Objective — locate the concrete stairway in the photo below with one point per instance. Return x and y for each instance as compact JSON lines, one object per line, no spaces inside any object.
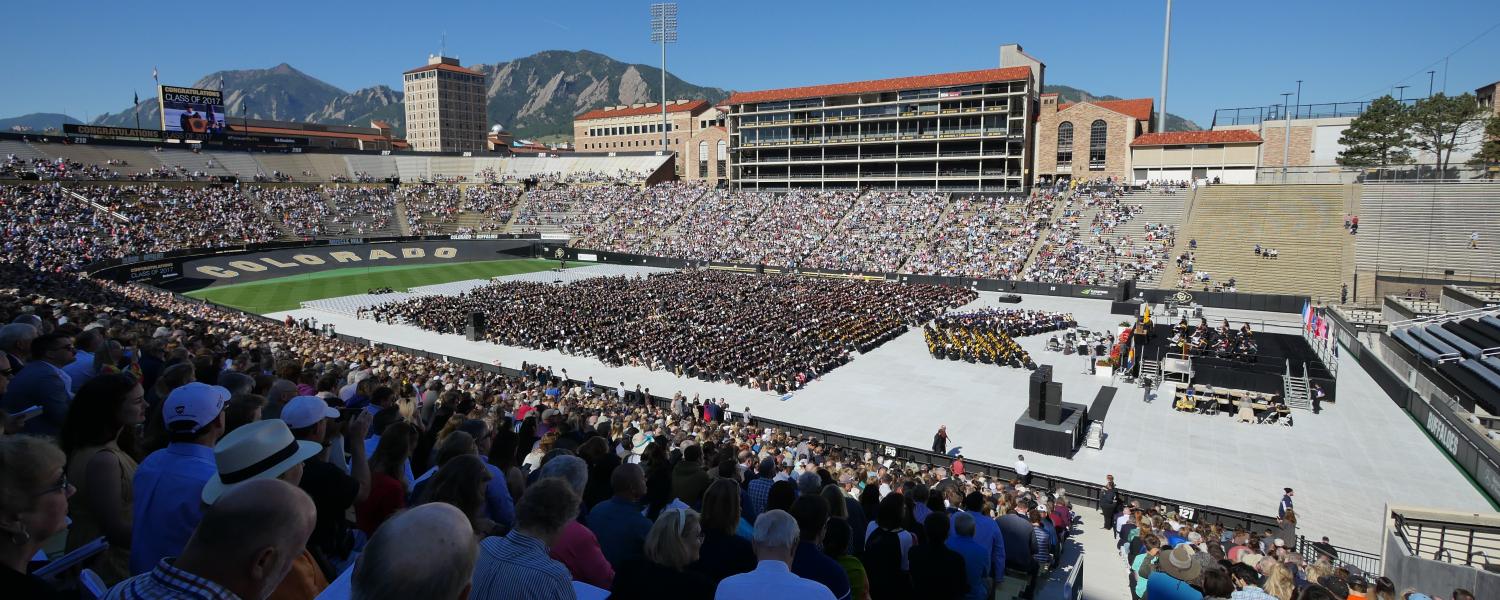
{"x":1304,"y":223}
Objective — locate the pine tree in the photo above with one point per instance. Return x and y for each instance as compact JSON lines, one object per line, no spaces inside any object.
{"x":1377,"y":137}
{"x":1440,"y":124}
{"x":1489,"y":151}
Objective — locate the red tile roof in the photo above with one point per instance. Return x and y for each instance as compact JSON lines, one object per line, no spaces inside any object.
{"x":306,"y":133}
{"x":882,"y":85}
{"x":443,"y":67}
{"x":694,"y":107}
{"x":1140,"y":108}
{"x":1179,"y":138}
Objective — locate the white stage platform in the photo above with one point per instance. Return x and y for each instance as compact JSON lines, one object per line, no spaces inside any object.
{"x":1346,"y":463}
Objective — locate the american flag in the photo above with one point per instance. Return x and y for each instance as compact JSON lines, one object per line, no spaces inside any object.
{"x":154,"y":75}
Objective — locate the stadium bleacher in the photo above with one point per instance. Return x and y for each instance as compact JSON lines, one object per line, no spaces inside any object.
{"x":1424,"y":229}
{"x":1303,"y":224}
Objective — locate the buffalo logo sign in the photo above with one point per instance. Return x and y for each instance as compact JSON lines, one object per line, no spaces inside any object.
{"x":233,"y":268}
{"x":1182,"y":297}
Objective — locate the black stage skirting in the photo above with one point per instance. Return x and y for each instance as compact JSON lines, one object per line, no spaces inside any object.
{"x":1128,"y":307}
{"x":1053,"y":440}
{"x":1100,"y":409}
{"x":1262,"y":375}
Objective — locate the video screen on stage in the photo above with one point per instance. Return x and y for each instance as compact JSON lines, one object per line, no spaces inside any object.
{"x":191,"y":110}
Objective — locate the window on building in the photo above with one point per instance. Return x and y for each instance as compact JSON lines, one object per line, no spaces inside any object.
{"x":1065,"y":144}
{"x":703,"y":159}
{"x":1098,"y":140}
{"x":722,"y":157}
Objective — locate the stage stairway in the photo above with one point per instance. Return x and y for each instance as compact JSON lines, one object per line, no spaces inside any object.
{"x":1297,"y":390}
{"x":1151,"y":371}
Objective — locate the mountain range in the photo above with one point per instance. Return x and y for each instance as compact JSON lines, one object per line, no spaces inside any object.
{"x":534,"y":96}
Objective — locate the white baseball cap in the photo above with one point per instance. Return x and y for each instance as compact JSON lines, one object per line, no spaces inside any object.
{"x":196,"y":402}
{"x":306,"y":411}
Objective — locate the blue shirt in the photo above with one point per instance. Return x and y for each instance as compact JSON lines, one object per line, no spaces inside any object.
{"x":987,"y":536}
{"x":168,"y":502}
{"x":811,"y":563}
{"x":1162,"y":586}
{"x":976,"y":565}
{"x":760,"y":491}
{"x":497,"y":501}
{"x":80,"y":370}
{"x":621,"y":529}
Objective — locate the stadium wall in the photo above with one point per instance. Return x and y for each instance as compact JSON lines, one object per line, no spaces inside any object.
{"x":200,"y":269}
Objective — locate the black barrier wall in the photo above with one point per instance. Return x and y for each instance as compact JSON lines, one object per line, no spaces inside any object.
{"x":245,"y":264}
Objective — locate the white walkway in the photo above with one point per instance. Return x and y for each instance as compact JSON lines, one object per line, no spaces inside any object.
{"x":1345,"y":463}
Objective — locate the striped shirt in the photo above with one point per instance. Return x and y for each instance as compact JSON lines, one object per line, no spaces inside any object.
{"x":168,"y":582}
{"x":517,"y":567}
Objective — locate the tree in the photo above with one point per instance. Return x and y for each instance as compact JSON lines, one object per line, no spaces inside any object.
{"x":1377,"y":137}
{"x":1441,"y":123}
{"x":1489,"y":151}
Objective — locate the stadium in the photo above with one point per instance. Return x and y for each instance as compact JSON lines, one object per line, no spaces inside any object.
{"x":907,"y":286}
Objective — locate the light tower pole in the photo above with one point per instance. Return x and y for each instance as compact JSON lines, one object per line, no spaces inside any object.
{"x":664,"y":31}
{"x":1286,"y":135}
{"x":1166,"y":45}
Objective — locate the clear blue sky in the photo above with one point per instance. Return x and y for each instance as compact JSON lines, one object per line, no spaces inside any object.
{"x":85,"y":58}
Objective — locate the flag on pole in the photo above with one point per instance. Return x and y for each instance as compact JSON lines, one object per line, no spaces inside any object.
{"x":154,"y":75}
{"x":1130,"y":356}
{"x":137,"y":96}
{"x":1307,"y":313}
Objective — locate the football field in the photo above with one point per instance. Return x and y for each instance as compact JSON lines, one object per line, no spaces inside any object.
{"x":286,"y":293}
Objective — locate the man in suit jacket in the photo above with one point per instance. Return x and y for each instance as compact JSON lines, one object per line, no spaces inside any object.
{"x":43,"y":383}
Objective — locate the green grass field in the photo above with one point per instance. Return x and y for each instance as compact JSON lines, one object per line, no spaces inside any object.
{"x":287,"y":293}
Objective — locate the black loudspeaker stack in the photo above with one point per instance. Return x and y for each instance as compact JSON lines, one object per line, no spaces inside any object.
{"x":1053,"y":402}
{"x":1125,"y":291}
{"x":1036,"y":397}
{"x":475,"y":330}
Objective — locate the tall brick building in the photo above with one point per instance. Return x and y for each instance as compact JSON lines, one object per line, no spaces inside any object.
{"x":1088,"y":141}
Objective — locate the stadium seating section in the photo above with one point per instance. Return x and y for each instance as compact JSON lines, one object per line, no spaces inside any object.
{"x":1088,"y":235}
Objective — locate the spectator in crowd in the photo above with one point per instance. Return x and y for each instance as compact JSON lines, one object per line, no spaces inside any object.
{"x":333,"y":491}
{"x":99,"y":438}
{"x":169,"y":484}
{"x":887,"y":547}
{"x":243,"y":409}
{"x":689,"y":480}
{"x":82,"y":368}
{"x":937,"y":571}
{"x":811,"y":513}
{"x":389,"y":482}
{"x":576,"y":547}
{"x":15,"y":342}
{"x":670,"y":547}
{"x":986,"y":531}
{"x":245,"y":545}
{"x":460,"y":482}
{"x":723,"y":553}
{"x":776,"y":542}
{"x":1019,"y":540}
{"x":836,"y":546}
{"x":267,"y":450}
{"x":34,"y":493}
{"x":426,"y":552}
{"x":1175,"y":576}
{"x":516,"y":565}
{"x":42,"y":382}
{"x":617,"y":523}
{"x":978,"y":569}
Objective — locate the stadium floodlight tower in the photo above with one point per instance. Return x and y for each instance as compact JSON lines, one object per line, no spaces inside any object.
{"x":664,"y":31}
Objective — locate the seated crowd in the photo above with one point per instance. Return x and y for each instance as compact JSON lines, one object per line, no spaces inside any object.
{"x":429,"y":207}
{"x":769,"y":333}
{"x":984,"y":237}
{"x":1085,"y":248}
{"x":220,"y":455}
{"x":986,"y":336}
{"x":48,"y":228}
